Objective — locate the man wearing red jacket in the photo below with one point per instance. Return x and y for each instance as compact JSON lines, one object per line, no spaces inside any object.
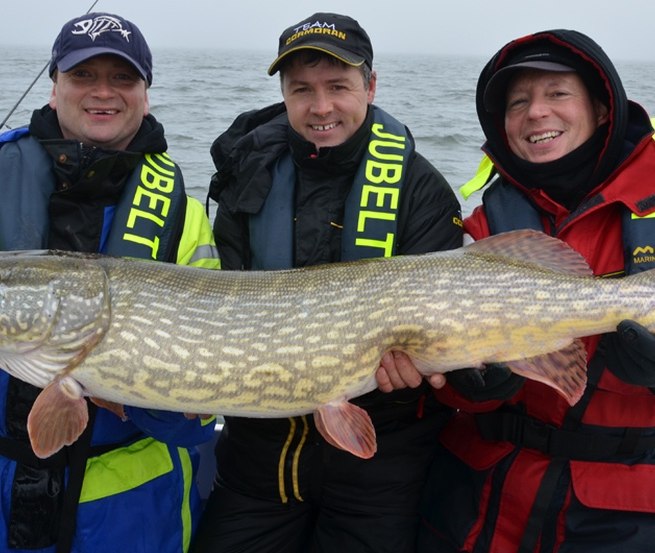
{"x":522,"y":470}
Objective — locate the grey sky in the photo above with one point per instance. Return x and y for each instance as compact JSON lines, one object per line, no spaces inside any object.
{"x":472,"y":27}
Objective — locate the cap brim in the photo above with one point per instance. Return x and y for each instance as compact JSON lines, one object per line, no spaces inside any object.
{"x":494,"y":92}
{"x":343,"y":55}
{"x":78,"y":56}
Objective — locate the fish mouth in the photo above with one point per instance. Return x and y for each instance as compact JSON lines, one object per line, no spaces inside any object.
{"x":543,"y":137}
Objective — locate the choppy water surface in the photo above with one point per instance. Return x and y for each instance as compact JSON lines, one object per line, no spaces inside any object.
{"x":197,"y":93}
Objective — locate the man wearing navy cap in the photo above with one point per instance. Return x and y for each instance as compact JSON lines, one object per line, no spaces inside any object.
{"x":82,"y":177}
{"x":89,"y":52}
{"x":323,"y":177}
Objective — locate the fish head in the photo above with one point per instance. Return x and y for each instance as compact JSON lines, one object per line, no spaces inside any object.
{"x":54,"y":307}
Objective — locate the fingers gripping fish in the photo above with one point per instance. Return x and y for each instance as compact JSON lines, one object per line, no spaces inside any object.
{"x":285,"y":343}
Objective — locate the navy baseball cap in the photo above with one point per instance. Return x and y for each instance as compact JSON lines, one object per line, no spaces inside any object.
{"x":94,"y":34}
{"x":339,"y":36}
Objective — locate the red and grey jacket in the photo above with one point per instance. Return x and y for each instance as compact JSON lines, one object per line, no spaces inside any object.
{"x":606,"y":441}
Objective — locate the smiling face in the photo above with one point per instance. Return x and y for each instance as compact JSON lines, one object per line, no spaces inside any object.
{"x":326,"y":102}
{"x":100,"y":102}
{"x":549,"y":114}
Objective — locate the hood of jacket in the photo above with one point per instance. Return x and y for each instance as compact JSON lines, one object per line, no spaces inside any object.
{"x":244,"y":156}
{"x":628,"y":123}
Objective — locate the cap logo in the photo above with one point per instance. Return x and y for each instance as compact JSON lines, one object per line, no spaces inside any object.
{"x":99,"y":25}
{"x":536,"y":56}
{"x":316,"y":28}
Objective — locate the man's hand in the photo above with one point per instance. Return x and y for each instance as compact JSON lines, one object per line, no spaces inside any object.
{"x":397,"y":371}
{"x":493,"y":382}
{"x":630,"y":354}
{"x":116,"y":408}
{"x":191,"y":416}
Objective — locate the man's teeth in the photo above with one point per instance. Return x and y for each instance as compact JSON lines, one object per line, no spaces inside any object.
{"x":543,"y":137}
{"x":103,"y":111}
{"x":324,"y":127}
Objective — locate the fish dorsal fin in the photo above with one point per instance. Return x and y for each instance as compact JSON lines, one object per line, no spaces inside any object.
{"x":532,"y":247}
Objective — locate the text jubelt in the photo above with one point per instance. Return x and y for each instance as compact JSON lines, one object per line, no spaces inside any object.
{"x":146,"y":224}
{"x":371,"y":209}
{"x":147,"y":221}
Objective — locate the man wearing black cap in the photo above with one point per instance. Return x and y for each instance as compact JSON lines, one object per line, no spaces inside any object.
{"x":323,"y":177}
{"x":524,"y":470}
{"x":91,"y":174}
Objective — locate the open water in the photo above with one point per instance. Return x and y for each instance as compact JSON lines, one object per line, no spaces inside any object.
{"x":196,"y":94}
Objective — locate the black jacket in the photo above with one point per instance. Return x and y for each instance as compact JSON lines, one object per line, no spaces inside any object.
{"x":249,"y":452}
{"x":244,"y":156}
{"x":88,"y":179}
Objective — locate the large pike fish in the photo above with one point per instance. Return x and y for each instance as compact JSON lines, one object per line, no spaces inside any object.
{"x":283,"y":343}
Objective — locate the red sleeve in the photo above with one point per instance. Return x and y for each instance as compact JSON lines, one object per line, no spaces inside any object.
{"x":476,"y":224}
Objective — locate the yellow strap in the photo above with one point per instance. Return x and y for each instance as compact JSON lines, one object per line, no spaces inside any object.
{"x":296,"y":459}
{"x":652,"y":122}
{"x":482,"y":176}
{"x":124,"y":469}
{"x":187,"y":521}
{"x":209,"y":420}
{"x":284,"y":498}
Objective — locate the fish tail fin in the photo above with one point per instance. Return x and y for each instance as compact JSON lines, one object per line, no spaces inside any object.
{"x":564,"y":370}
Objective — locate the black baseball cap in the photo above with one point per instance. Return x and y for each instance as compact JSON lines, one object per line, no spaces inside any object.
{"x":94,"y":34}
{"x":337,"y":35}
{"x":543,"y":57}
{"x":496,"y":89}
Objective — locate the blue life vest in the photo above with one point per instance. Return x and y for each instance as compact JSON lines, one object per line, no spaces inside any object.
{"x":507,"y":208}
{"x":147,"y":223}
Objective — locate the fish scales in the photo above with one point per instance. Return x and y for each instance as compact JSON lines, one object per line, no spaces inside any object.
{"x":282,"y":343}
{"x":271,"y":343}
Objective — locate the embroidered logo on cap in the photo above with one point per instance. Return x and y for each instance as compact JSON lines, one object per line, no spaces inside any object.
{"x":101,"y":24}
{"x":316,"y":28}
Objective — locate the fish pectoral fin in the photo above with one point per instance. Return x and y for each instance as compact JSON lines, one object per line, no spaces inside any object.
{"x":564,"y":370}
{"x":348,"y":427}
{"x":57,"y":419}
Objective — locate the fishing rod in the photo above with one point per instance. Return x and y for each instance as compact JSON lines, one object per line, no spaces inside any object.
{"x":11,"y":111}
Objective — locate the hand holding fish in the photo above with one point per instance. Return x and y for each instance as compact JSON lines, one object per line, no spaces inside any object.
{"x":494,"y":381}
{"x":397,"y":371}
{"x":119,"y":410}
{"x":631,"y":354}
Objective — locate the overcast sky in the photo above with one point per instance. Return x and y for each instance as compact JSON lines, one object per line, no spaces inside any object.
{"x":624,"y":28}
